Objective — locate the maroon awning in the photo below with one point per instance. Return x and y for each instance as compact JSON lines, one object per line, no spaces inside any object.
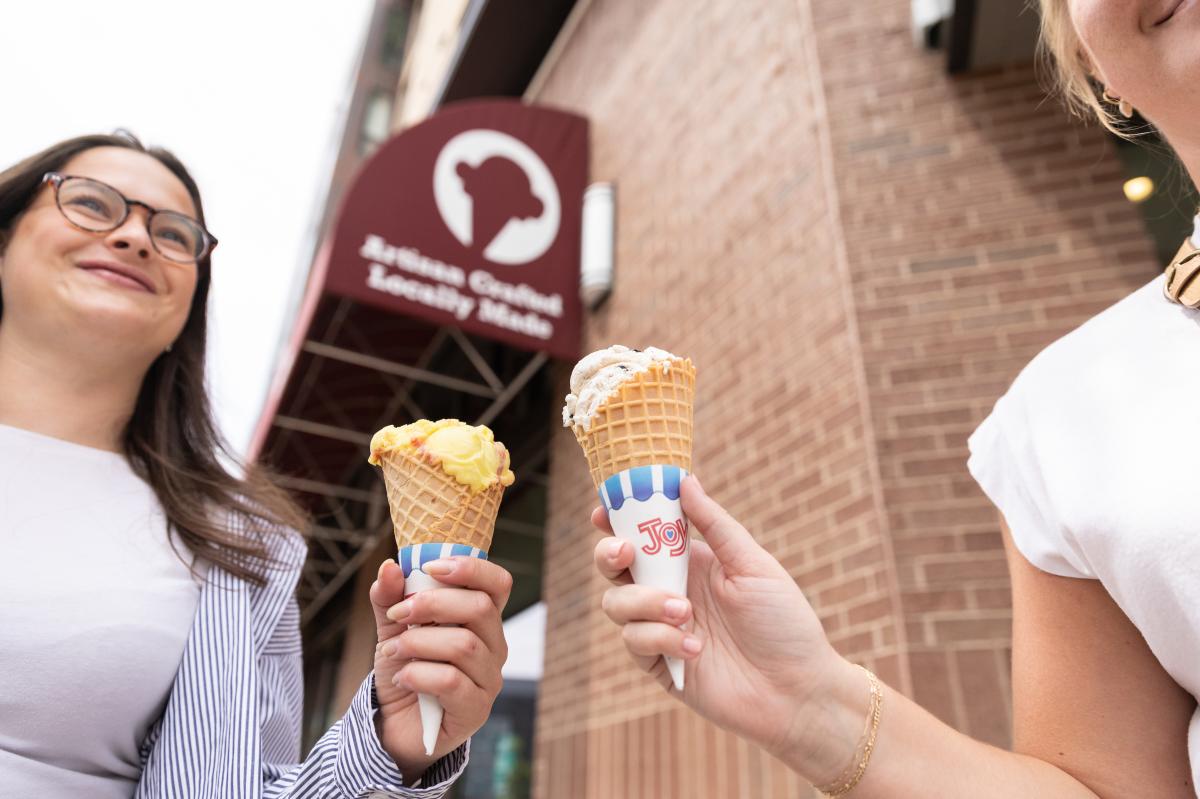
{"x":360,"y":358}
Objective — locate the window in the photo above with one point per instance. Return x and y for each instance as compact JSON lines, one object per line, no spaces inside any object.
{"x":376,"y":121}
{"x":395,"y":34}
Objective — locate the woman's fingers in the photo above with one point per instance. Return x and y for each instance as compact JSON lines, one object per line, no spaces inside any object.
{"x":648,"y":639}
{"x":636,"y":603}
{"x":651,"y":622}
{"x":473,"y":610}
{"x":458,"y":694}
{"x":387,"y":590}
{"x":613,"y":557}
{"x":456,"y":646}
{"x":600,"y":519}
{"x":474,"y":573}
{"x":730,"y":541}
{"x":650,"y":619}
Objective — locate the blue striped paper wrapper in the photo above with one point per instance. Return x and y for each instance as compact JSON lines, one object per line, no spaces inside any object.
{"x":644,"y":509}
{"x":413,"y":557}
{"x":643,"y":506}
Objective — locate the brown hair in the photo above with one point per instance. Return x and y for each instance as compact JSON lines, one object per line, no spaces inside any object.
{"x":1070,"y":72}
{"x":171,"y":440}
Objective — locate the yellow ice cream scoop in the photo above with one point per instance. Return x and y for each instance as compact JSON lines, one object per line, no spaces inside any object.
{"x":471,"y":455}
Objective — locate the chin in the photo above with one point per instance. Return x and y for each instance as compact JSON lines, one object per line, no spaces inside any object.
{"x":118,"y":321}
{"x":1176,"y":121}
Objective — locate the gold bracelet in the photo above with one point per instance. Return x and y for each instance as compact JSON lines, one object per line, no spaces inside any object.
{"x":848,"y":771}
{"x":843,"y":785}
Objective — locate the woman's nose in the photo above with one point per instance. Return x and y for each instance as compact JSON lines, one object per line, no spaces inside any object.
{"x":133,"y":234}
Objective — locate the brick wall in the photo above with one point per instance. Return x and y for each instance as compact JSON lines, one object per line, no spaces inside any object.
{"x":859,"y":253}
{"x":980,"y":225}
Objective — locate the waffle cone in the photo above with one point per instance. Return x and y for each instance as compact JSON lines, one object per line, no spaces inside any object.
{"x":647,"y":422}
{"x":428,"y":505}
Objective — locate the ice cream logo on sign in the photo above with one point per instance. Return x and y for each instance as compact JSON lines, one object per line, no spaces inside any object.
{"x":496,"y":196}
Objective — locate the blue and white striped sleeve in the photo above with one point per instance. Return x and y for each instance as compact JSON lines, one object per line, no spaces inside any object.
{"x":348,"y":762}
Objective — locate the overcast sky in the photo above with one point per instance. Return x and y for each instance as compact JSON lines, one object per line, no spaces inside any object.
{"x":250,"y":95}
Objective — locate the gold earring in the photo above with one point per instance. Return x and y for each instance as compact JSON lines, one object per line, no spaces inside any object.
{"x":1124,"y":106}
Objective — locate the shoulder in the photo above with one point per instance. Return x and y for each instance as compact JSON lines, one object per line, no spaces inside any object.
{"x":1125,"y":352}
{"x":273,"y":612}
{"x":1080,"y":441}
{"x":288,"y":546}
{"x":1106,"y":384}
{"x":254,"y":522}
{"x":285,"y":548}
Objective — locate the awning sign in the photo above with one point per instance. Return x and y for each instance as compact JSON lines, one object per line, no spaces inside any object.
{"x":472,"y":219}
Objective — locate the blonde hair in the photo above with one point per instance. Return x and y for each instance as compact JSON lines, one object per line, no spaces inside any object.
{"x":1069,"y":70}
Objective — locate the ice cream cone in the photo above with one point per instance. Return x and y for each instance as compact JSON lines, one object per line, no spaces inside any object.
{"x":428,"y":505}
{"x":444,"y":481}
{"x":648,"y":421}
{"x":631,"y":411}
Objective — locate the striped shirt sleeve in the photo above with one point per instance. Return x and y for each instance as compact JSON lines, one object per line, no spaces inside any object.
{"x":348,"y":762}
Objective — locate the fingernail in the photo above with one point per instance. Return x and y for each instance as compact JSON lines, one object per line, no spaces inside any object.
{"x":398,"y":681}
{"x":692,"y":645}
{"x":614,"y":549}
{"x":379,"y":574}
{"x":389,"y":650}
{"x":398,"y":612}
{"x":442,"y":567}
{"x":676,"y":607}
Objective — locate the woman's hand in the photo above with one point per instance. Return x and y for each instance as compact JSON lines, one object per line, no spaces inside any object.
{"x":460,"y":665}
{"x":754,"y":650}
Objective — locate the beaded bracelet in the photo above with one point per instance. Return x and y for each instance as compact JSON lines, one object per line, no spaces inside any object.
{"x":843,"y":784}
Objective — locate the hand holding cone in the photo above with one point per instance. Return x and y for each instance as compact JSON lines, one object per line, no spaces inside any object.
{"x":444,"y":483}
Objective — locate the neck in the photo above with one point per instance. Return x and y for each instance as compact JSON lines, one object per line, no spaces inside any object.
{"x":1188,"y":151}
{"x":64,"y":395}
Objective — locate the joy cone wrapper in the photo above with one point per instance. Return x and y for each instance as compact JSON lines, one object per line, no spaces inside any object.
{"x":435,"y":516}
{"x":639,"y":448}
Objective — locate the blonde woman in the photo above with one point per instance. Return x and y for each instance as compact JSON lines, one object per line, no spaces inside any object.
{"x":1091,"y":457}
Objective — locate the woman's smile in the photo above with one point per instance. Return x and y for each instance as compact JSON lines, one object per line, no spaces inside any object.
{"x":1175,"y":8}
{"x":119,"y":274}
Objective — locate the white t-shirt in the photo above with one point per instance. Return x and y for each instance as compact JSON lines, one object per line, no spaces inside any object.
{"x":1092,"y":456}
{"x":95,"y":609}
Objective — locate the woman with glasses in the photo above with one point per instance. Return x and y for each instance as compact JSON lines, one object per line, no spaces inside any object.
{"x":1091,"y":457}
{"x":149,"y":636}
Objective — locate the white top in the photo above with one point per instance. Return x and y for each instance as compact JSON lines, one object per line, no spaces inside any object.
{"x":1092,"y":457}
{"x":95,"y":608}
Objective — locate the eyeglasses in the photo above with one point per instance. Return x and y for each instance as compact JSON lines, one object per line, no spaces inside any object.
{"x":99,"y":208}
